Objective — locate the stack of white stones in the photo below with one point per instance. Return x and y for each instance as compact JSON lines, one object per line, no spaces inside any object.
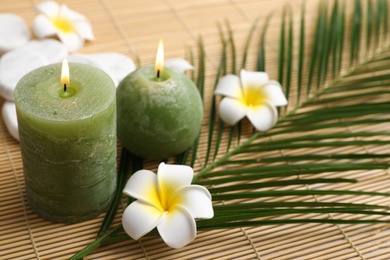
{"x":20,"y":55}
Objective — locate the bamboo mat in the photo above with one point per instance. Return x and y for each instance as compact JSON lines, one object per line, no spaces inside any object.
{"x":134,"y":28}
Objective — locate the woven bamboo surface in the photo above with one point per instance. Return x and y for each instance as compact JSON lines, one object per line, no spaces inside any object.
{"x":134,"y":28}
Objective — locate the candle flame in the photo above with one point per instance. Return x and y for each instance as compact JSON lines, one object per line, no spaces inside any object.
{"x":159,"y":58}
{"x":65,"y":72}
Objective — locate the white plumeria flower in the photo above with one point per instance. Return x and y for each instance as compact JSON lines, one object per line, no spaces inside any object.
{"x":167,"y":201}
{"x":71,"y":27}
{"x":252,"y":95}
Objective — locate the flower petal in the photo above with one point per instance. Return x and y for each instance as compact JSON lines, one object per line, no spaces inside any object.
{"x":179,"y":64}
{"x":71,"y":40}
{"x":43,"y":27}
{"x":229,"y":86}
{"x":232,"y":110}
{"x":263,"y":117}
{"x":275,"y":93}
{"x":48,"y":8}
{"x":139,"y":218}
{"x":253,"y":78}
{"x":196,"y":200}
{"x":172,"y":177}
{"x":84,"y":30}
{"x":70,"y":14}
{"x":142,"y":186}
{"x":177,"y":228}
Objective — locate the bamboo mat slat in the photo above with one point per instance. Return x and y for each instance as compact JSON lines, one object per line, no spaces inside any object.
{"x":133,"y":28}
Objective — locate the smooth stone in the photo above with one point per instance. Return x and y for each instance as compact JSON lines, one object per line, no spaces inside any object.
{"x":14,"y":65}
{"x":85,"y":59}
{"x":13,"y":32}
{"x":116,"y":65}
{"x":54,"y":51}
{"x":9,"y":117}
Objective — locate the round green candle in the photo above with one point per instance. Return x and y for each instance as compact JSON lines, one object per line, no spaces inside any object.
{"x":68,"y":141}
{"x":158,"y":117}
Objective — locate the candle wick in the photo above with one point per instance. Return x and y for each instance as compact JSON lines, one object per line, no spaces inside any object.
{"x":65,"y":87}
{"x":158,"y":73}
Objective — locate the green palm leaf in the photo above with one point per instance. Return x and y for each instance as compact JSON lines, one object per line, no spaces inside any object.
{"x":346,"y":101}
{"x":296,"y":172}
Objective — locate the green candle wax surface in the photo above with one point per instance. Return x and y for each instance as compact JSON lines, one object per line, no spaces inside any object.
{"x":158,"y":117}
{"x":68,"y":141}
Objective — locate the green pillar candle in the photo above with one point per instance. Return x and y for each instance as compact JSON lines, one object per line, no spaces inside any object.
{"x":68,"y":141}
{"x":158,"y":117}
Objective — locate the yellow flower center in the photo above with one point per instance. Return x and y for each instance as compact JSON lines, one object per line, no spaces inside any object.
{"x":154,"y":198}
{"x":168,"y":198}
{"x":63,"y":24}
{"x":253,"y":96}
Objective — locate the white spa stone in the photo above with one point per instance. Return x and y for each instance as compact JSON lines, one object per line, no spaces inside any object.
{"x":119,"y":65}
{"x":14,"y":65}
{"x":13,"y":32}
{"x":85,"y":59}
{"x":116,"y":65}
{"x":9,"y":117}
{"x":54,"y":51}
